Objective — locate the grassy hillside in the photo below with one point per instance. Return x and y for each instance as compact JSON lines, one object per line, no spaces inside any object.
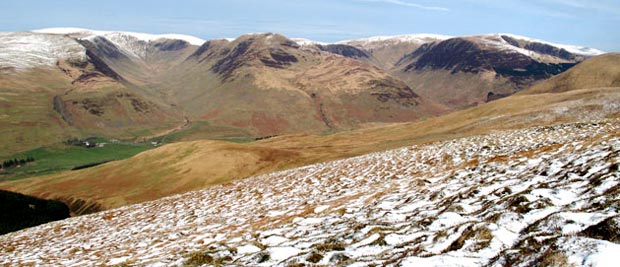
{"x":62,"y":157}
{"x":601,"y":71}
{"x":27,"y":119}
{"x":164,"y":171}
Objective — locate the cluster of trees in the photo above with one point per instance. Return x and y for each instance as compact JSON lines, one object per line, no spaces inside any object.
{"x":16,"y":162}
{"x":264,"y":137}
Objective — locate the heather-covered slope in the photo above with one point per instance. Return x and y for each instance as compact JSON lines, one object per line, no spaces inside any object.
{"x":542,"y":194}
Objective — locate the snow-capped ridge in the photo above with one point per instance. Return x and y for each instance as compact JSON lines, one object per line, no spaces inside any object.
{"x":499,"y":41}
{"x":422,"y":37}
{"x":307,"y":42}
{"x":147,"y":37}
{"x":575,"y":49}
{"x":44,"y":47}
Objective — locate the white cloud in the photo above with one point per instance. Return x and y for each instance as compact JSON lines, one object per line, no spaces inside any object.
{"x":604,"y":6}
{"x":408,"y":4}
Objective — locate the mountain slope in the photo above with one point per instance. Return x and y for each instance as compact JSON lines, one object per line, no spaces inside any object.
{"x":542,"y":194}
{"x":459,"y":72}
{"x":602,"y":71}
{"x":388,"y":50}
{"x":55,"y":87}
{"x":514,"y":112}
{"x":123,"y":84}
{"x":470,"y":70}
{"x":266,"y":84}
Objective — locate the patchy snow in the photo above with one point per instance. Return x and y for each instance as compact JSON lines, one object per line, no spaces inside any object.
{"x":248,"y":249}
{"x":282,"y":253}
{"x":439,"y":261}
{"x":320,"y":209}
{"x":579,"y":50}
{"x":589,"y":252}
{"x":519,"y":196}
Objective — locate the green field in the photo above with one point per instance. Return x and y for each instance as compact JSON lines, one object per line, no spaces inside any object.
{"x":201,"y":130}
{"x":62,"y":157}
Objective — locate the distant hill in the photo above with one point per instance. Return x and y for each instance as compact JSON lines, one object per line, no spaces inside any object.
{"x":463,"y":71}
{"x":18,"y":211}
{"x":62,"y":83}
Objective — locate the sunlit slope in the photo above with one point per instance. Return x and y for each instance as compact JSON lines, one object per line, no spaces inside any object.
{"x":601,"y":71}
{"x":157,"y":173}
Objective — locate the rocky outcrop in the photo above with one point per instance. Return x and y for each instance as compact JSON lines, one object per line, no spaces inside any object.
{"x":345,"y":50}
{"x":170,"y":45}
{"x":61,"y":109}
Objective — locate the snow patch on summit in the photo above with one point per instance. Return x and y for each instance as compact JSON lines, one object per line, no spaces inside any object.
{"x":400,"y":38}
{"x":146,"y":37}
{"x":43,"y":48}
{"x":24,"y":50}
{"x":579,"y":50}
{"x":307,"y":42}
{"x":133,"y":44}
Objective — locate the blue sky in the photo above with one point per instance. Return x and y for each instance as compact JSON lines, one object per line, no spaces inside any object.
{"x":593,"y":23}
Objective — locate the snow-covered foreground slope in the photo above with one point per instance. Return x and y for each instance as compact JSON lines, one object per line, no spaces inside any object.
{"x":546,"y":194}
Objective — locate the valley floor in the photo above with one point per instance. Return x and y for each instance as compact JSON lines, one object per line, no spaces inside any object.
{"x":548,"y":194}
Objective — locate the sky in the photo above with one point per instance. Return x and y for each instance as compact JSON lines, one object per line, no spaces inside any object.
{"x":592,"y":23}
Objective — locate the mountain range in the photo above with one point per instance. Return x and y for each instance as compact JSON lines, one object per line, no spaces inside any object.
{"x":61,"y":83}
{"x":412,"y":150}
